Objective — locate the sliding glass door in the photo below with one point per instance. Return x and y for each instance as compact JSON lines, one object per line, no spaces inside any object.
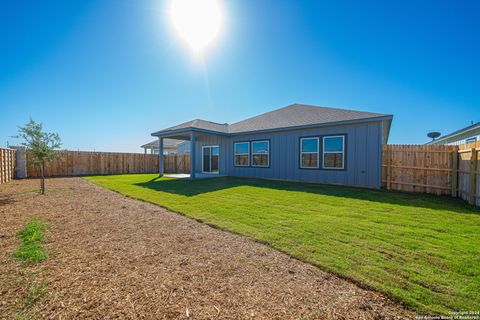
{"x":210,"y":159}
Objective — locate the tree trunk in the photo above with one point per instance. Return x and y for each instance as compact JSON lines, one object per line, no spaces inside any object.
{"x":42,"y":177}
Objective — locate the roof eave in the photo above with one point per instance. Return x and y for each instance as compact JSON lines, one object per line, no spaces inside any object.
{"x":166,"y":133}
{"x":456,"y":133}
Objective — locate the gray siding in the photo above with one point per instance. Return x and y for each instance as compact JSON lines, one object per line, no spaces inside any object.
{"x":362,"y":159}
{"x":210,"y":140}
{"x":460,"y":139}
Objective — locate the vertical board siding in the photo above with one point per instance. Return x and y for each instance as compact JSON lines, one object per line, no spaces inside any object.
{"x":78,"y":163}
{"x":205,"y":140}
{"x":7,"y":164}
{"x":362,"y":159}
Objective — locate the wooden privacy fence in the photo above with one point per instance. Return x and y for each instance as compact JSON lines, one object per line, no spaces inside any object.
{"x":7,"y":165}
{"x":468,"y":181}
{"x":77,"y":163}
{"x":418,"y":168}
{"x":174,"y":163}
{"x":440,"y":170}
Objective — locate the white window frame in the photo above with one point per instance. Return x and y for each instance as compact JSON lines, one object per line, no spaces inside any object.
{"x":327,"y":152}
{"x":210,"y":172}
{"x":302,"y":152}
{"x":268,"y":154}
{"x":241,"y":154}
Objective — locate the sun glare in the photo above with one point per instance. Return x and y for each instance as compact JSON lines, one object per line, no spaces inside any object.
{"x":198,"y":22}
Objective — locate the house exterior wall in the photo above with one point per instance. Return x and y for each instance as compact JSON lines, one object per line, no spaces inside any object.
{"x":459,"y":139}
{"x":363,"y":154}
{"x":211,"y":140}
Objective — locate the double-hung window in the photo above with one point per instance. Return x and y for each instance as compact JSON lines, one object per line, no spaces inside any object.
{"x":260,"y":153}
{"x":241,"y":154}
{"x":309,"y":152}
{"x":334,"y":152}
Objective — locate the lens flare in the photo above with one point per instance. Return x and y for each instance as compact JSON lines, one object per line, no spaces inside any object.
{"x":198,"y":22}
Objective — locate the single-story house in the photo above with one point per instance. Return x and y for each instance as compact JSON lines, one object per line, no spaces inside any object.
{"x":297,"y":143}
{"x":170,"y":146}
{"x":465,"y":135}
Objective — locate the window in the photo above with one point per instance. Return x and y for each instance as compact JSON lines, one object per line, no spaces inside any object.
{"x":260,"y":153}
{"x":333,"y":152}
{"x":309,"y":152}
{"x":241,"y":154}
{"x":471,"y":140}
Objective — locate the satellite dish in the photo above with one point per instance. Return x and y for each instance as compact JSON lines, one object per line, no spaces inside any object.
{"x":434,"y":135}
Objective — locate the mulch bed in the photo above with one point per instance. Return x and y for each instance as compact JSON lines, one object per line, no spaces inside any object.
{"x":113,"y":257}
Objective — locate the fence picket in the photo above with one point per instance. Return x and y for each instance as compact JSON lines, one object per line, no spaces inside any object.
{"x":77,"y":163}
{"x":7,"y":164}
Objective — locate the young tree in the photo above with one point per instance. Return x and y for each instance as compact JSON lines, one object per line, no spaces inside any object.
{"x":41,"y":146}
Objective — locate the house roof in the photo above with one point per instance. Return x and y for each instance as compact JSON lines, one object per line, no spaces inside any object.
{"x":455,"y":133}
{"x":167,"y":143}
{"x":201,"y":124}
{"x":295,"y":115}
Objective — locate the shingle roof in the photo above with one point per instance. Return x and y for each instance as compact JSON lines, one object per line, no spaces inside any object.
{"x":167,"y":143}
{"x":295,"y":115}
{"x":299,"y":115}
{"x":201,"y":124}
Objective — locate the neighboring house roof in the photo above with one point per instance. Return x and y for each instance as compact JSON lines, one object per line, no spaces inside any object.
{"x":167,"y":143}
{"x":295,"y":115}
{"x":471,"y":127}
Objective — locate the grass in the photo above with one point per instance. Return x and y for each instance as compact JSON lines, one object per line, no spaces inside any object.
{"x":418,"y":249}
{"x":30,"y":249}
{"x":34,"y":290}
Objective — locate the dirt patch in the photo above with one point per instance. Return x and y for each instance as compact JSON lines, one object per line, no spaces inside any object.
{"x":115,"y":257}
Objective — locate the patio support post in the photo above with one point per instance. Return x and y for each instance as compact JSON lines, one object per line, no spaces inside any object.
{"x":160,"y":155}
{"x":192,"y":155}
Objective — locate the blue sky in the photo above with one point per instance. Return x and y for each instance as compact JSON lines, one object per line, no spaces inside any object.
{"x":105,"y":74}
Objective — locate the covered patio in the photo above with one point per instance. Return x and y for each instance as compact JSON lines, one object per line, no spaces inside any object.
{"x":204,"y":157}
{"x":187,"y":176}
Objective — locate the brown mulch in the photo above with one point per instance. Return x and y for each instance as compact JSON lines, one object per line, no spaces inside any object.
{"x":113,"y":257}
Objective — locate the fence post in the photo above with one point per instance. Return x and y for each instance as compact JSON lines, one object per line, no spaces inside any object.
{"x":12,"y":164}
{"x":9,"y":165}
{"x":2,"y":166}
{"x":184,"y":163}
{"x":389,"y":167}
{"x":175,"y":162}
{"x":473,"y":177}
{"x":454,"y":173}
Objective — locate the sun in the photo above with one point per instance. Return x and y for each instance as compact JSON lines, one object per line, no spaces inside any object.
{"x":198,"y":22}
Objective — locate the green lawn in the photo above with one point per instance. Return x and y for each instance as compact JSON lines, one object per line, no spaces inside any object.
{"x":419,"y":249}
